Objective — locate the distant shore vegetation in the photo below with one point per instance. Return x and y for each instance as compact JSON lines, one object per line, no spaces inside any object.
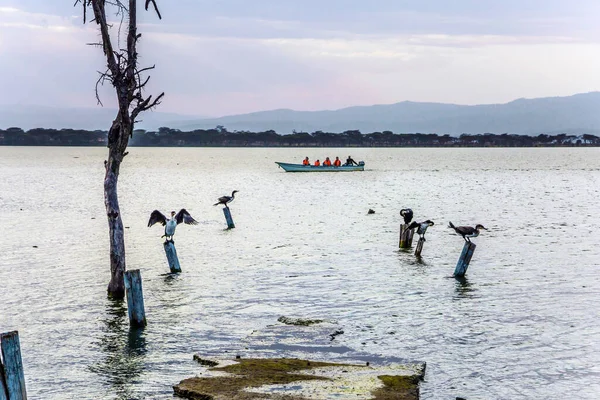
{"x":221,"y":137}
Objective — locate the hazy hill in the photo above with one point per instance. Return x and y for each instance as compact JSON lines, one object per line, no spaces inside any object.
{"x":29,"y":117}
{"x":575,"y":114}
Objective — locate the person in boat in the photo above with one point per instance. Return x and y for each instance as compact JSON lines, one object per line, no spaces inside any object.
{"x":337,"y":162}
{"x":305,"y":161}
{"x":327,"y":162}
{"x":350,"y":161}
{"x":317,"y":163}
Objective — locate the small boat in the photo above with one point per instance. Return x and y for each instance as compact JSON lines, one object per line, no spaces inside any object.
{"x":311,"y":168}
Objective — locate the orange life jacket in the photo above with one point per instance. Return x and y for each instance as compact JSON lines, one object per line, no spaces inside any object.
{"x":305,"y":162}
{"x":337,"y":163}
{"x":317,"y":163}
{"x":327,"y":163}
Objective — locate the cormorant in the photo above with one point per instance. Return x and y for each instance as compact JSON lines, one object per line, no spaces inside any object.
{"x":226,"y":199}
{"x":467,"y":231}
{"x":422,"y":227}
{"x":407,"y":213}
{"x":170,"y":224}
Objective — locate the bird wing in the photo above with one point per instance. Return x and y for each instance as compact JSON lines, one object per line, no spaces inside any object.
{"x":184,"y":216}
{"x":155,"y":217}
{"x":224,"y":199}
{"x":413,"y":225}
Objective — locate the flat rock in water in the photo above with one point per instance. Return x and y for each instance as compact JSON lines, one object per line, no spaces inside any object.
{"x":296,"y":362}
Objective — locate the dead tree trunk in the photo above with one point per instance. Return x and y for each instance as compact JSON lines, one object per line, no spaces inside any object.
{"x":116,"y":287}
{"x":123,"y":73}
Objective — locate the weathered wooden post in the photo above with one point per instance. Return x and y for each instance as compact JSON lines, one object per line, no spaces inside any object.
{"x":230,"y":224}
{"x":406,"y":236}
{"x":3,"y":391}
{"x":13,"y":377}
{"x":465,"y":259}
{"x":172,"y":256}
{"x":135,"y":298}
{"x":419,"y":248}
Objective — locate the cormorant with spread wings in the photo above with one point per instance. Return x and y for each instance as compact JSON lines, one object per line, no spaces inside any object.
{"x":171,"y":223}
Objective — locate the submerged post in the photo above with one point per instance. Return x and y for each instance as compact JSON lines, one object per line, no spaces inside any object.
{"x":13,"y":377}
{"x":465,"y":259}
{"x":3,"y":391}
{"x":419,"y":247}
{"x":406,"y":236}
{"x":230,"y":224}
{"x":135,"y":298}
{"x":172,"y":256}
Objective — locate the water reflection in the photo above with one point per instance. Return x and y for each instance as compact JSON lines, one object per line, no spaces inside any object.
{"x":410,"y":262}
{"x":464,"y":288}
{"x":170,"y":278}
{"x":124,"y":350}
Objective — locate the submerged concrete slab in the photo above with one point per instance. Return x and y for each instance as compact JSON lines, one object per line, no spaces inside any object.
{"x":300,"y":361}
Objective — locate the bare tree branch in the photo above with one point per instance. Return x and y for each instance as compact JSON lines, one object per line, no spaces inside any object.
{"x":155,"y":7}
{"x":146,"y":104}
{"x":141,"y":85}
{"x":146,"y":69}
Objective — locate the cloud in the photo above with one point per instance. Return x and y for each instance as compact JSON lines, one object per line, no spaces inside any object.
{"x":235,"y":56}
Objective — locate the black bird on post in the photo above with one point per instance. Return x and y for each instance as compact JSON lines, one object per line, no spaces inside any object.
{"x":422,"y":227}
{"x":406,"y":234}
{"x":226,"y":199}
{"x":407,"y":214}
{"x":467,"y":232}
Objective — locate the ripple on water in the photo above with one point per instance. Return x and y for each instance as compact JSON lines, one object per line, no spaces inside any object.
{"x":522,"y":324}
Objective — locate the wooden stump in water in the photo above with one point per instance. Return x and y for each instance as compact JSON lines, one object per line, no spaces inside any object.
{"x":172,"y":256}
{"x":13,"y":377}
{"x":419,"y":247}
{"x":227,"y":212}
{"x":3,"y":390}
{"x":465,"y":259}
{"x":135,"y":298}
{"x":406,"y":236}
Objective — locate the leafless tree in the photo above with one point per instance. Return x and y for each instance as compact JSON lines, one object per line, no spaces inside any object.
{"x":123,"y":72}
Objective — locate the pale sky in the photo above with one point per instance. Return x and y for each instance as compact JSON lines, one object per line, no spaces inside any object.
{"x":221,"y":57}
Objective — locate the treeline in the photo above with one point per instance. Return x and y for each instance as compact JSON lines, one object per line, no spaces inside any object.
{"x":221,"y":137}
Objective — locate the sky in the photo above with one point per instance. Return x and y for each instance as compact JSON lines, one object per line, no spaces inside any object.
{"x":223,"y":57}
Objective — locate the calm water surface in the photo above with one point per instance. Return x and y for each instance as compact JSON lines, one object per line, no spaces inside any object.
{"x":523,"y":325}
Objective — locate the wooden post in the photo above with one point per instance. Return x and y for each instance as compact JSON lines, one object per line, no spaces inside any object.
{"x":13,"y":376}
{"x":3,"y":390}
{"x":172,"y":256}
{"x":406,"y":236}
{"x":230,"y":224}
{"x":135,"y":298}
{"x":419,"y":247}
{"x":465,"y":259}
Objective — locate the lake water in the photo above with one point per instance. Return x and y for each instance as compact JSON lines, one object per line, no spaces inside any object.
{"x":523,"y":325}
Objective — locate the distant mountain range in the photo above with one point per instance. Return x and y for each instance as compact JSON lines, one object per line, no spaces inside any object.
{"x":577,"y":114}
{"x":29,"y":117}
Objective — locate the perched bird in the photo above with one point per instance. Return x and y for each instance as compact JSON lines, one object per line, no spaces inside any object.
{"x":422,"y":227}
{"x":467,"y":231}
{"x":226,"y":199}
{"x":371,"y":211}
{"x":171,"y":224}
{"x":407,"y":214}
